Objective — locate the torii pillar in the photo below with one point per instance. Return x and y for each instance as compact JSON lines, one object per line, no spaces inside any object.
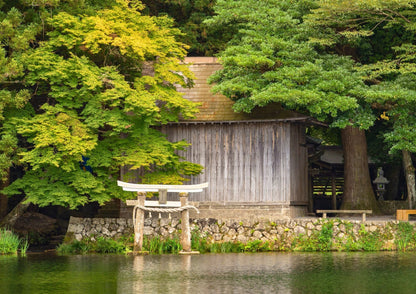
{"x":186,"y":230}
{"x":139,"y":223}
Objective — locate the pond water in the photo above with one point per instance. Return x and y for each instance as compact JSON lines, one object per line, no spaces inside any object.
{"x":210,"y":273}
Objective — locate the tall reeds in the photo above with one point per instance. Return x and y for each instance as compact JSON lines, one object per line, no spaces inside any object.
{"x":11,"y":243}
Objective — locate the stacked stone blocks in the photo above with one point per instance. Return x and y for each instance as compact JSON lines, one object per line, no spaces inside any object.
{"x":279,"y":232}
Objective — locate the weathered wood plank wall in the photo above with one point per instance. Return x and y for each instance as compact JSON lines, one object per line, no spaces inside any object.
{"x":299,"y":165}
{"x":254,"y":162}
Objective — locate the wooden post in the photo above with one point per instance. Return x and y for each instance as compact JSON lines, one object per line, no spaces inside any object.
{"x":310,"y":194}
{"x":163,"y":196}
{"x":139,"y":225}
{"x":186,"y":230}
{"x":334,"y":189}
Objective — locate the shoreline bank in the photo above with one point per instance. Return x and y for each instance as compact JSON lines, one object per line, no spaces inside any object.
{"x":299,"y":234}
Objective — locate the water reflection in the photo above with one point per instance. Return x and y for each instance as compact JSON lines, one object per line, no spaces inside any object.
{"x":221,"y":273}
{"x":211,"y":273}
{"x":46,"y":273}
{"x":138,"y":269}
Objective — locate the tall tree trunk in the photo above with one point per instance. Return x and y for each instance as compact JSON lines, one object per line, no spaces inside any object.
{"x":358,"y":190}
{"x":409,"y":171}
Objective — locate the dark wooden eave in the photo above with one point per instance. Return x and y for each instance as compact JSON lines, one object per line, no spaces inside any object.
{"x":305,"y":120}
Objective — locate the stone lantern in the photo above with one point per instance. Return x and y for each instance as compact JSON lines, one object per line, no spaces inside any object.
{"x":380,"y":183}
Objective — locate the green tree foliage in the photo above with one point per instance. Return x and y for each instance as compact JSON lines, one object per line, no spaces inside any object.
{"x":189,"y":16}
{"x":83,"y":87}
{"x":382,"y":36}
{"x":270,"y":60}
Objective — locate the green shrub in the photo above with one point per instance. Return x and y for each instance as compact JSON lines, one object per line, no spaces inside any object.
{"x":228,"y":247}
{"x":351,"y":244}
{"x":65,"y":248}
{"x":157,"y":245}
{"x":101,"y":245}
{"x":172,"y":245}
{"x":152,"y":245}
{"x":199,"y":242}
{"x":105,"y":245}
{"x":257,"y":246}
{"x":215,"y":248}
{"x":404,"y":236}
{"x":75,"y":247}
{"x":325,"y":237}
{"x":369,"y":241}
{"x":317,"y":241}
{"x":12,"y":243}
{"x":304,"y":243}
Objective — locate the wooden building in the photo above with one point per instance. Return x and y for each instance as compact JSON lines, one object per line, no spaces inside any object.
{"x":256,"y":165}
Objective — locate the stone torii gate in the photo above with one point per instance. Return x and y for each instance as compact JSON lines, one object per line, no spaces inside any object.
{"x":141,"y":205}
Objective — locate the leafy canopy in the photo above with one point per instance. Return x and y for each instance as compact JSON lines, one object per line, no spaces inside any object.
{"x":189,"y":16}
{"x":84,"y":86}
{"x":343,"y":62}
{"x":270,"y":60}
{"x":382,"y":34}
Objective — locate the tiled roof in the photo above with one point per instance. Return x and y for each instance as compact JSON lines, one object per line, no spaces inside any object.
{"x":216,"y":107}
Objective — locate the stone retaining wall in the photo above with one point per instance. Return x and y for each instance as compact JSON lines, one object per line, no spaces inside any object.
{"x":280,"y":232}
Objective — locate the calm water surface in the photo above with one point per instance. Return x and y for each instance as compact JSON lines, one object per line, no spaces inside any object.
{"x":211,"y":273}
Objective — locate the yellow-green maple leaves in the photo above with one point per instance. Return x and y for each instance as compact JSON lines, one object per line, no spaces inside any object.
{"x":58,"y":139}
{"x":94,"y":85}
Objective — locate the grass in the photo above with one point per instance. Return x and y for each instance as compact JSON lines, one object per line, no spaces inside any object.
{"x":159,"y":245}
{"x":124,"y":245}
{"x":101,"y":245}
{"x":405,"y":237}
{"x":10,"y":243}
